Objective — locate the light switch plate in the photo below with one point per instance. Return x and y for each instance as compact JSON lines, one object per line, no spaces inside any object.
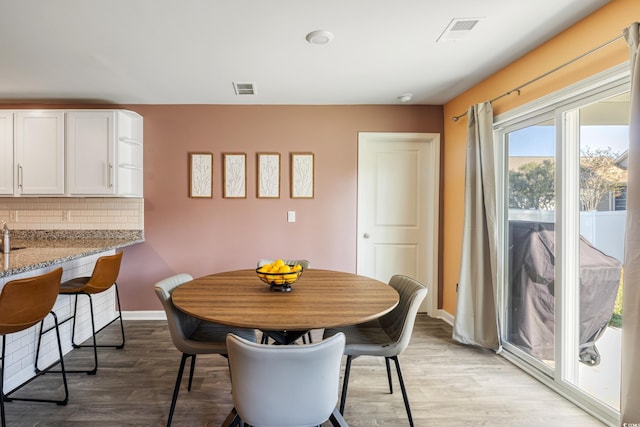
{"x":291,"y":216}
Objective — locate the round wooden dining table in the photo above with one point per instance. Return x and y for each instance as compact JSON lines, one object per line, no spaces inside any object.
{"x":319,"y":299}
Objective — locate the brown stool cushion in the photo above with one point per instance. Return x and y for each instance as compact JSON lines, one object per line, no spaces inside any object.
{"x":105,"y":274}
{"x":25,"y":302}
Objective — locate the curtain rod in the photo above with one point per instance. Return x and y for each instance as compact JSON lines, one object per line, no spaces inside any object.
{"x":517,"y":89}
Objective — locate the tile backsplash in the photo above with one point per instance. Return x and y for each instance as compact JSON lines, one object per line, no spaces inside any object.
{"x":58,"y":213}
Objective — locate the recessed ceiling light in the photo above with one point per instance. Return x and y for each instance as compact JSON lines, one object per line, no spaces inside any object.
{"x":405,"y":98}
{"x":319,"y":37}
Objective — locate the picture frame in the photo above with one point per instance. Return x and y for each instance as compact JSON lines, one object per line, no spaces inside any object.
{"x":234,"y":181}
{"x":302,"y":175}
{"x":200,"y":175}
{"x":268,"y":175}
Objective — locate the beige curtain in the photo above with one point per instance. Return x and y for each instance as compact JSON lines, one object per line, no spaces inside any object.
{"x":630,"y":387}
{"x":476,"y":320}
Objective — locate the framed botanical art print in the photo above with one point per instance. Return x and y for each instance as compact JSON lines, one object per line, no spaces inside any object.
{"x":235,"y":175}
{"x":268,"y":176}
{"x":200,"y":175}
{"x":302,"y":172}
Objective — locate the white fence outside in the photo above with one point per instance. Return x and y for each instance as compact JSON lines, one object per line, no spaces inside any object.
{"x":603,"y":229}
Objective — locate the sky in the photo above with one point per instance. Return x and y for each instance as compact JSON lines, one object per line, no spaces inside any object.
{"x":539,"y":140}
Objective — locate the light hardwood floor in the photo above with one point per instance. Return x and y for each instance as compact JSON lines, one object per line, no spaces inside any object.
{"x":448,"y":385}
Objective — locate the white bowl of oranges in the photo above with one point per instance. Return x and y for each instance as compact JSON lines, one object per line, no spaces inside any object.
{"x":279,"y":276}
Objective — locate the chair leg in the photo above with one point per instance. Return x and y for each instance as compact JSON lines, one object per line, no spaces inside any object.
{"x":386,"y":361}
{"x":4,"y":423}
{"x":95,"y":345}
{"x":61,"y":361}
{"x":233,"y":419}
{"x":118,"y":317}
{"x":7,"y":397}
{"x":304,"y":338}
{"x":193,"y":368}
{"x":121,"y":346}
{"x":177,"y":387}
{"x":43,"y":331}
{"x":93,"y":336}
{"x":404,"y":390}
{"x":345,"y":384}
{"x":337,"y":420}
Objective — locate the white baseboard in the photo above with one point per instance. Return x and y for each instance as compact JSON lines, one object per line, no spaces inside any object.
{"x":447,"y":317}
{"x":144,"y":315}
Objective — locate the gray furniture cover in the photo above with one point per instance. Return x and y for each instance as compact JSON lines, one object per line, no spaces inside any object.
{"x":531,"y":279}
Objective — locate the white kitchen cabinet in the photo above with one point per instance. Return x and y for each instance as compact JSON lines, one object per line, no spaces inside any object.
{"x":104,"y":153}
{"x":129,"y":154}
{"x":39,"y":152}
{"x":90,"y":152}
{"x":6,"y":152}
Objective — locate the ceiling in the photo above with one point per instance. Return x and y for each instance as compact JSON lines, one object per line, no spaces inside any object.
{"x":191,"y":51}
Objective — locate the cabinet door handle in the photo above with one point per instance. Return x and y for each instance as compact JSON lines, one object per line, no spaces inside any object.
{"x":110,"y":175}
{"x":20,"y":176}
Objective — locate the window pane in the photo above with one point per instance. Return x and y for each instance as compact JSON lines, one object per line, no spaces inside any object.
{"x":604,"y":143}
{"x":531,"y":237}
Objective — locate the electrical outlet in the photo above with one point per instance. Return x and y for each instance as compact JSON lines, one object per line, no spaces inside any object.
{"x":66,"y":216}
{"x":291,"y":216}
{"x":13,"y":216}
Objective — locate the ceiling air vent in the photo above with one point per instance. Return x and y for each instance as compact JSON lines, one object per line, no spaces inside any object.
{"x":458,"y":29}
{"x":244,"y":88}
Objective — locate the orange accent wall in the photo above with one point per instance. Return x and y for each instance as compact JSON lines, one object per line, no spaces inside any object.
{"x":599,"y":27}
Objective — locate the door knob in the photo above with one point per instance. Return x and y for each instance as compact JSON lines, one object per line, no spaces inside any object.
{"x":366,"y":235}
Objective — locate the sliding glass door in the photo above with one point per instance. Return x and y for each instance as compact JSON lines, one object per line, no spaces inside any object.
{"x":563,"y":209}
{"x":531,"y":199}
{"x":603,"y":147}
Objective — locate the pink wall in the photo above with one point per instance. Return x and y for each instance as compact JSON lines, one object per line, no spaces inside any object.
{"x":201,"y":236}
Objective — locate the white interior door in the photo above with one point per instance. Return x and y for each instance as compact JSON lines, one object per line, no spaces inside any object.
{"x":398,"y":181}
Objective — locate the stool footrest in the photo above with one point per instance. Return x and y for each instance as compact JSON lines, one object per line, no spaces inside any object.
{"x":94,"y":332}
{"x":8,"y":397}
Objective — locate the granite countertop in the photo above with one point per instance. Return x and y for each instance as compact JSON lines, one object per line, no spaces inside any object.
{"x":31,"y":250}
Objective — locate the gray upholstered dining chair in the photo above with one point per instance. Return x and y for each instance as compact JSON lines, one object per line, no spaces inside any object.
{"x":386,"y":337}
{"x":285,"y":386}
{"x":306,"y":264}
{"x":190,"y":335}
